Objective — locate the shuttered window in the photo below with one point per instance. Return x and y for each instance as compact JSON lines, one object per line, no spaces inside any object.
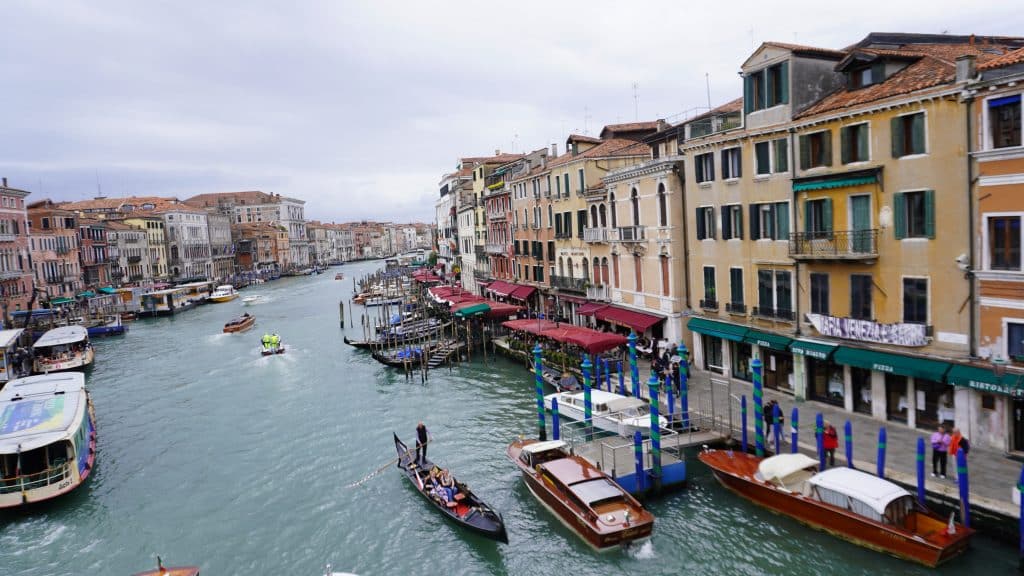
{"x":736,"y":286}
{"x":854,"y":143}
{"x":816,"y":150}
{"x":705,"y":223}
{"x":704,"y":165}
{"x":907,"y":135}
{"x":766,"y":87}
{"x":914,"y":214}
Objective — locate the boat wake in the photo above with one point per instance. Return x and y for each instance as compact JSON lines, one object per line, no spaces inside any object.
{"x":215,"y":338}
{"x":641,"y":551}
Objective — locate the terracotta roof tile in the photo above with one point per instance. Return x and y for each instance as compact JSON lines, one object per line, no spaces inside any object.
{"x":606,"y":148}
{"x":935,"y":66}
{"x":1008,"y":59}
{"x":730,"y":106}
{"x":802,"y":49}
{"x":582,"y":138}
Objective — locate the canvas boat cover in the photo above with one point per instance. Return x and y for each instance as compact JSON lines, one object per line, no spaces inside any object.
{"x":778,"y":468}
{"x":872,"y":491}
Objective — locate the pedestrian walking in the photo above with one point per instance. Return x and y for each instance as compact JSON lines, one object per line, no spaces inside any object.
{"x":830,"y":441}
{"x":940,"y":450}
{"x":769,"y":417}
{"x":957,"y":442}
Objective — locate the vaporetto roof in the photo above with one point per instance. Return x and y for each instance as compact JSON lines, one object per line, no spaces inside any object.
{"x":40,"y":410}
{"x":62,"y":335}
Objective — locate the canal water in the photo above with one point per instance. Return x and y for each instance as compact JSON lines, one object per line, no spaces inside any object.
{"x":210,"y":454}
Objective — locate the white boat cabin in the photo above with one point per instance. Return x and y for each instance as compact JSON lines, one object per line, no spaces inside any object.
{"x":538,"y":453}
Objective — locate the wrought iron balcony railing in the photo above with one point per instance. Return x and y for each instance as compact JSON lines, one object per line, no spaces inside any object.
{"x":834,"y":245}
{"x":569,"y":284}
{"x":735,"y":307}
{"x":775,"y":313}
{"x":709,"y":304}
{"x":598,"y":292}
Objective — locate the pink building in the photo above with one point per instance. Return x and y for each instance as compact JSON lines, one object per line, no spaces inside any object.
{"x":15,"y":264}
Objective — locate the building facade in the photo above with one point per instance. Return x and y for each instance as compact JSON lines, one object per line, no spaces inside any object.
{"x":16,"y":268}
{"x":54,"y":249}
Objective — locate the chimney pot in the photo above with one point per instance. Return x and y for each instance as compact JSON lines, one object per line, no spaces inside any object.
{"x":966,"y":67}
{"x":554,"y":150}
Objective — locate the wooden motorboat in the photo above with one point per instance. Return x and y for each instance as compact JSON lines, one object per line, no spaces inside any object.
{"x":583,"y":497}
{"x":615,"y":413}
{"x":339,"y":276}
{"x":848,"y":503}
{"x":464,"y":508}
{"x":161,"y":570}
{"x":240,"y":324}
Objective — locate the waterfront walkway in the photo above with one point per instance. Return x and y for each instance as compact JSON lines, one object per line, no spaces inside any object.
{"x":993,"y":476}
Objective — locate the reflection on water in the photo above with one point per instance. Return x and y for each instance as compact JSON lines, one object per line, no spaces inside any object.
{"x":212,"y":454}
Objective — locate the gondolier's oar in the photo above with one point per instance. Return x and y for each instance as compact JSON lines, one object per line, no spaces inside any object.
{"x":390,"y":463}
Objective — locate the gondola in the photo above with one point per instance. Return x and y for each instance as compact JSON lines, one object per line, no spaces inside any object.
{"x":467,"y":510}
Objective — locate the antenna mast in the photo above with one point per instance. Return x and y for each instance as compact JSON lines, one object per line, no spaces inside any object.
{"x":636,"y":102}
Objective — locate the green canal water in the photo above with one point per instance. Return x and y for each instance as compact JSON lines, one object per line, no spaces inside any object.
{"x":210,"y":454}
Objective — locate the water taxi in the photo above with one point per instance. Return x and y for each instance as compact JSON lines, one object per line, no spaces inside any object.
{"x":582,"y":496}
{"x":63,"y":348}
{"x":240,"y":324}
{"x":339,"y":276}
{"x":853,"y":505}
{"x":622,"y":415}
{"x":224,"y":293}
{"x":47,"y":437}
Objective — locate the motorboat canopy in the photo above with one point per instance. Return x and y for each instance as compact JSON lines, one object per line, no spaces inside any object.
{"x":858,"y":487}
{"x":40,"y":410}
{"x":538,"y":447}
{"x":779,"y":469}
{"x":62,"y":335}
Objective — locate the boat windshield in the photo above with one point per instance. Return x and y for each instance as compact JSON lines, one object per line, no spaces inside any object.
{"x":636,"y":411}
{"x":597,"y":490}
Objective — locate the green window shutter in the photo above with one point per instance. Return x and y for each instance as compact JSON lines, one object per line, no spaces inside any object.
{"x":782,"y":216}
{"x":929,"y":213}
{"x":739,"y":163}
{"x":827,"y":215}
{"x":739,"y":222}
{"x":862,"y":142}
{"x":726,"y":223}
{"x":877,"y":72}
{"x":698,"y":169}
{"x":807,"y":217}
{"x":755,"y":222}
{"x":784,"y":79}
{"x":896,"y":126}
{"x":899,"y":216}
{"x":711,"y":232}
{"x":826,"y":147}
{"x":702,"y":232}
{"x":844,"y":144}
{"x":805,"y":153}
{"x":781,"y":155}
{"x":748,"y":94}
{"x":917,"y":134}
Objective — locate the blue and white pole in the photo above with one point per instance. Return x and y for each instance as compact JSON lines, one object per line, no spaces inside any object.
{"x":758,"y":409}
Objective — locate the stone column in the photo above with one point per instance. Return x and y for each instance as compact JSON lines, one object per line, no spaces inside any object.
{"x":911,"y":403}
{"x":799,"y":377}
{"x":847,"y":389}
{"x":878,"y":394}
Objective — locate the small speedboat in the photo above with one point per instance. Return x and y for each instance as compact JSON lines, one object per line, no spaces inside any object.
{"x":240,"y":324}
{"x":254,"y":299}
{"x":172,"y":571}
{"x":225,"y":293}
{"x":464,"y":508}
{"x":339,"y":276}
{"x":622,"y":415}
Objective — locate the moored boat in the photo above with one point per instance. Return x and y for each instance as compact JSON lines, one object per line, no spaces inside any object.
{"x":463,"y":507}
{"x":583,"y":497}
{"x":240,"y":324}
{"x":47,"y":437}
{"x":224,"y":293}
{"x":851,"y":504}
{"x":63,"y":348}
{"x":612,"y":412}
{"x":108,"y":326}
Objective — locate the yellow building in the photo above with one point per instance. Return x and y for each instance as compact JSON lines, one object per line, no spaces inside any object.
{"x":154,"y":227}
{"x":850,"y":169}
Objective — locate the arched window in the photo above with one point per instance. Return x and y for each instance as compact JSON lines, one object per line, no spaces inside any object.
{"x":634,"y":199}
{"x":593,"y":216}
{"x":596,"y":268}
{"x":568,"y":262}
{"x":561,"y":266}
{"x":604,"y":216}
{"x":586,"y":270}
{"x":662,"y":208}
{"x":611,"y":206}
{"x":604,"y":270}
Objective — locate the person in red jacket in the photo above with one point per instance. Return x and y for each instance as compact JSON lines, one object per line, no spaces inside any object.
{"x":830,"y":442}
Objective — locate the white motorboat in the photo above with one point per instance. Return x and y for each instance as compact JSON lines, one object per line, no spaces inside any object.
{"x":254,"y":299}
{"x":622,"y":415}
{"x":225,"y":293}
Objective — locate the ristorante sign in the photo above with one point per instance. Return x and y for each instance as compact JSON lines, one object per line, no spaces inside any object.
{"x":868,"y":331}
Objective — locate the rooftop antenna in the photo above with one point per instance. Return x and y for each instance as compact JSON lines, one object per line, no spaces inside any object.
{"x":707,"y":81}
{"x":586,"y":121}
{"x":636,"y":102}
{"x":99,"y":189}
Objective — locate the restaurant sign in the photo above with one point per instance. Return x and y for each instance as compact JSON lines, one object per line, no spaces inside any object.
{"x":868,"y":331}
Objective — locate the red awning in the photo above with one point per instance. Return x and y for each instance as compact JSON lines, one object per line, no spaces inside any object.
{"x":590,"y":308}
{"x":502,"y":309}
{"x":590,"y":340}
{"x":501,"y":288}
{"x":458,"y":297}
{"x":573,"y":299}
{"x":522,"y":292}
{"x":531,"y":325}
{"x":427,"y":278}
{"x":639,"y":321}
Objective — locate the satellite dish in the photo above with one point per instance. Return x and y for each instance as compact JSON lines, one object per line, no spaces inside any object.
{"x":885,"y":217}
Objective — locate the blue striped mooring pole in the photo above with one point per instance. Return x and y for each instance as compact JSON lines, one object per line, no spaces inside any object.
{"x":638,"y":460}
{"x":819,"y":433}
{"x":684,"y":370}
{"x":848,"y":435}
{"x":961,"y":478}
{"x":607,"y":375}
{"x":556,"y":432}
{"x":538,"y":368}
{"x":670,"y":399}
{"x":794,"y":428}
{"x":920,"y":471}
{"x":758,"y":409}
{"x":1020,"y":527}
{"x":622,"y":380}
{"x":652,"y":386}
{"x":881,"y":452}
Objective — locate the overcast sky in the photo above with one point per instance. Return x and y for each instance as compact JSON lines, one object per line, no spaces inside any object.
{"x":360,"y":108}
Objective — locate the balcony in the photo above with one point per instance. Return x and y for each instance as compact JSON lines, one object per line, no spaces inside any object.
{"x":630,"y":234}
{"x":782,"y":314}
{"x":496,"y":216}
{"x":496,"y":248}
{"x":481,"y":275}
{"x":8,"y":237}
{"x":597,"y":235}
{"x":708,"y":304}
{"x":479,"y":251}
{"x":71,"y":278}
{"x":568,"y":284}
{"x":10,"y":274}
{"x":598,"y":293}
{"x":134,"y":259}
{"x":735,"y":308}
{"x":852,"y":245}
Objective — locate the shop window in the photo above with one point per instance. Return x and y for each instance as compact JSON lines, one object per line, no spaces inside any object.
{"x":713,"y":354}
{"x":826,"y":381}
{"x":988,"y":401}
{"x":741,"y":355}
{"x":896,"y":401}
